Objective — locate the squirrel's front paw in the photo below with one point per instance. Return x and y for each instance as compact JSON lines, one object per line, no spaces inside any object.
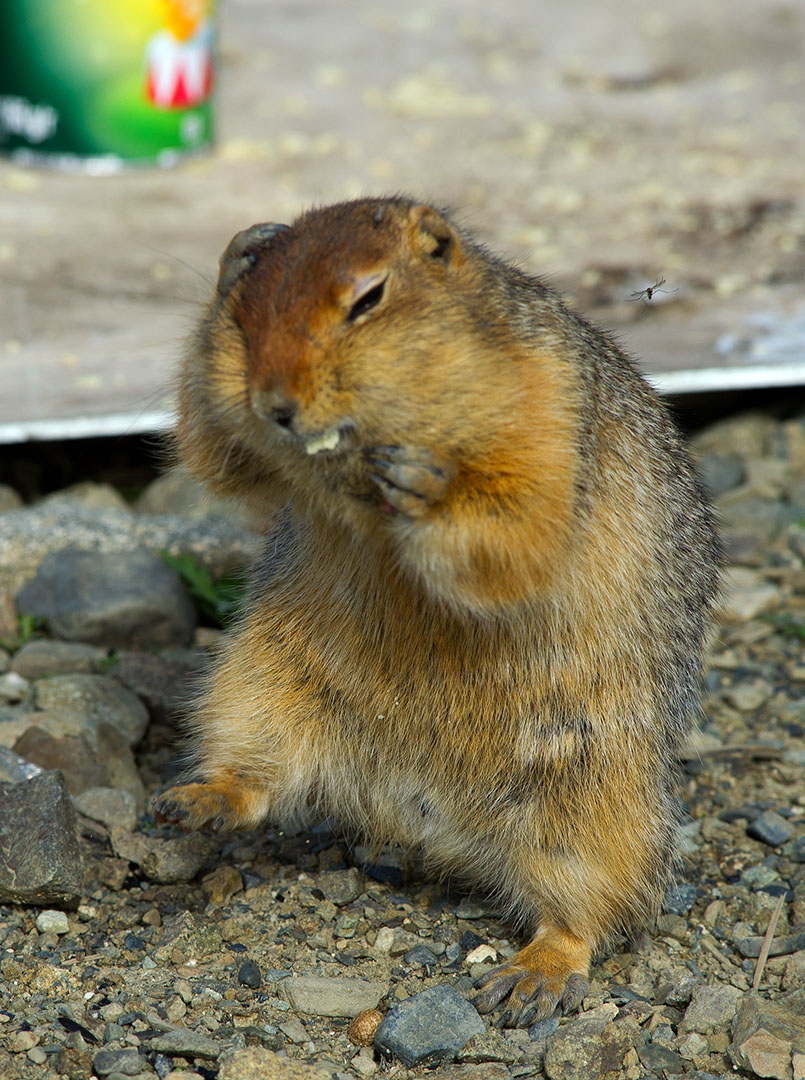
{"x":410,"y":478}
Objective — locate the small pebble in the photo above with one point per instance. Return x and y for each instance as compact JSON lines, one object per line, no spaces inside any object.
{"x":770,"y":829}
{"x":693,"y":1045}
{"x":52,"y":922}
{"x":679,"y":899}
{"x":480,"y":954}
{"x":543,"y":1028}
{"x":249,"y":974}
{"x":13,"y":687}
{"x":23,"y":1041}
{"x":421,"y":955}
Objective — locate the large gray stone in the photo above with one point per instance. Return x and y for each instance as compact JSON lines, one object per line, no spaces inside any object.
{"x":710,"y":1007}
{"x":429,"y":1027}
{"x":126,"y":599}
{"x":258,"y":1063}
{"x":45,"y":657}
{"x":165,"y":861}
{"x":163,"y":681}
{"x":767,"y":1034}
{"x":96,"y":757}
{"x":40,"y":859}
{"x":28,"y":535}
{"x":119,"y":1062}
{"x":588,"y":1048}
{"x":322,"y":995}
{"x":14,"y":767}
{"x":112,"y":807}
{"x":92,"y":700}
{"x":183,"y":1042}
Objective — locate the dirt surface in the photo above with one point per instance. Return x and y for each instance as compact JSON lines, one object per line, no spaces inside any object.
{"x":604,"y":148}
{"x":230,"y":957}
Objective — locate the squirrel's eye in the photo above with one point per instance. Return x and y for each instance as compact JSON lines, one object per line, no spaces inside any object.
{"x":371,"y":298}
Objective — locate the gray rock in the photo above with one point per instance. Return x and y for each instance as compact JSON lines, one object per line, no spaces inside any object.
{"x":43,"y":657}
{"x":123,"y":600}
{"x":89,"y":494}
{"x":165,"y":861}
{"x":187,"y":936}
{"x":659,"y":1059}
{"x":794,"y":974}
{"x":587,"y":1048}
{"x":321,"y":995}
{"x":182,"y":1042}
{"x":249,"y":974}
{"x":421,"y":955}
{"x":742,"y":436}
{"x":96,"y":699}
{"x":491,"y":1046}
{"x":766,"y":1034}
{"x":125,"y":1062}
{"x":740,"y":511}
{"x":294,"y":1030}
{"x":747,"y":594}
{"x":720,"y":474}
{"x":258,"y":1063}
{"x":27,"y":536}
{"x":748,"y":695}
{"x":710,"y":1007}
{"x":781,"y":945}
{"x":429,"y":1027}
{"x":52,"y":922}
{"x":770,"y":829}
{"x":13,"y":687}
{"x":469,"y":909}
{"x":96,"y":757}
{"x":543,"y":1028}
{"x":679,"y":899}
{"x":678,"y":994}
{"x":14,"y":767}
{"x":341,"y":886}
{"x":175,"y":492}
{"x":163,"y":681}
{"x":402,"y":941}
{"x":40,"y":859}
{"x":9,"y":499}
{"x":110,"y":806}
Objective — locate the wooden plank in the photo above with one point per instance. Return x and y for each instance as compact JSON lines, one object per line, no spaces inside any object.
{"x":587,"y":146}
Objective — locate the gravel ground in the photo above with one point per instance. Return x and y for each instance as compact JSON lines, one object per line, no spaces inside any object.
{"x":249,"y":955}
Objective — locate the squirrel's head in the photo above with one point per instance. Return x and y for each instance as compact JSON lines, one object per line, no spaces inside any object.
{"x":350,"y":326}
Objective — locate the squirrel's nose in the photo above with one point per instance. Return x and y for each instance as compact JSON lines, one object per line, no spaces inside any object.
{"x":274,"y":406}
{"x":283,"y":414}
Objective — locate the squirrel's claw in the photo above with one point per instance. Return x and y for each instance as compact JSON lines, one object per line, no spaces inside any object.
{"x":498,"y":983}
{"x":541,"y":976}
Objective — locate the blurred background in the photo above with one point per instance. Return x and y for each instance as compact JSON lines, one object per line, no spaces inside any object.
{"x":646,"y":158}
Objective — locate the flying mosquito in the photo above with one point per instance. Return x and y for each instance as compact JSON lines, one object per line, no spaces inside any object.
{"x":648,"y":294}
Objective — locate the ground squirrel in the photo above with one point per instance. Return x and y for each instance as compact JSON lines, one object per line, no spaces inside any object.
{"x":477,"y":626}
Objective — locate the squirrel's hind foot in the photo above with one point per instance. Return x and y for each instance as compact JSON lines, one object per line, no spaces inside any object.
{"x":551,"y":970}
{"x":218,"y":806}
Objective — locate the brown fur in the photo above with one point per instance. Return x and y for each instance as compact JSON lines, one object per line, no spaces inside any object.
{"x":477,"y":629}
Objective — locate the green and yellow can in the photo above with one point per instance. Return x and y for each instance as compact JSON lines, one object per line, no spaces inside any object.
{"x":97,"y":85}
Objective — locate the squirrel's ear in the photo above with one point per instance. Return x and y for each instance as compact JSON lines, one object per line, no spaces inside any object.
{"x":434,"y":236}
{"x":242,"y":251}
